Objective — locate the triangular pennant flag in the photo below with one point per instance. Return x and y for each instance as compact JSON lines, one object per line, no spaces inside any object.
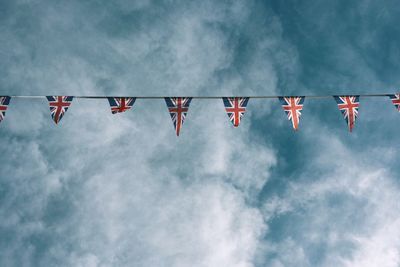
{"x":348,"y":105}
{"x":120,"y":104}
{"x":178,"y":108}
{"x":293,"y":106}
{"x":4,"y":102}
{"x":235,"y":108}
{"x":58,"y":106}
{"x":395,"y":100}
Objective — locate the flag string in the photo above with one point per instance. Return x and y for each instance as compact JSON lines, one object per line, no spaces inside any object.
{"x":206,"y":97}
{"x":235,"y":106}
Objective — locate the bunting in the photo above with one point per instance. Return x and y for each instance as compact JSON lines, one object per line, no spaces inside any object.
{"x":58,"y":106}
{"x":293,"y":106}
{"x":4,"y":102}
{"x":235,"y":108}
{"x":120,"y":104}
{"x":178,"y":108}
{"x":348,"y":105}
{"x":396,"y":101}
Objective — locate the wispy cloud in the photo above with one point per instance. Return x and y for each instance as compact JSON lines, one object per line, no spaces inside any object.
{"x":122,"y":190}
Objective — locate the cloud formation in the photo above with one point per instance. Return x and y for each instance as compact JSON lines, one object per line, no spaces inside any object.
{"x":122,"y":190}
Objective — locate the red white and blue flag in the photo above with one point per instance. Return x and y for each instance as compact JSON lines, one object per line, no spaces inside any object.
{"x":58,"y":106}
{"x":4,"y":102}
{"x":293,"y":106}
{"x":396,"y":100}
{"x":120,"y":104}
{"x":178,"y":108}
{"x":235,"y":108}
{"x":348,"y":105}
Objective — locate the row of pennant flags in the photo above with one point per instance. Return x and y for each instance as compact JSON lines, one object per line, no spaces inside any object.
{"x":235,"y":107}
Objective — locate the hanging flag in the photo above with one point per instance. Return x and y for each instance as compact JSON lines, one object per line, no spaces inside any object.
{"x":58,"y":106}
{"x":235,"y":108}
{"x":120,"y":104}
{"x":348,"y":105}
{"x":293,"y":106}
{"x":4,"y":102}
{"x":178,"y":108}
{"x":396,"y":100}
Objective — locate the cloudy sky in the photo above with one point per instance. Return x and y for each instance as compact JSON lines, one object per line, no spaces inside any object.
{"x":122,"y":190}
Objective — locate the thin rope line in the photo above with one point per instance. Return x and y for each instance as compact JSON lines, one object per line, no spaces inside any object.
{"x":209,"y":97}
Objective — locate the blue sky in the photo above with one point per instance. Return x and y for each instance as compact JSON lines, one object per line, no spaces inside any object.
{"x":122,"y":190}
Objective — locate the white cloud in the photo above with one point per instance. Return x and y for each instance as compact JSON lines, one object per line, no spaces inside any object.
{"x":111,"y":190}
{"x":348,"y":210}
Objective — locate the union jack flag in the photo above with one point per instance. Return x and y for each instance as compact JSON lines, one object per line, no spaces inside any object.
{"x":120,"y":104}
{"x":4,"y":101}
{"x":348,"y":105}
{"x":178,"y":108}
{"x":58,"y":106}
{"x":235,"y":108}
{"x":396,"y":100}
{"x":293,"y":106}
